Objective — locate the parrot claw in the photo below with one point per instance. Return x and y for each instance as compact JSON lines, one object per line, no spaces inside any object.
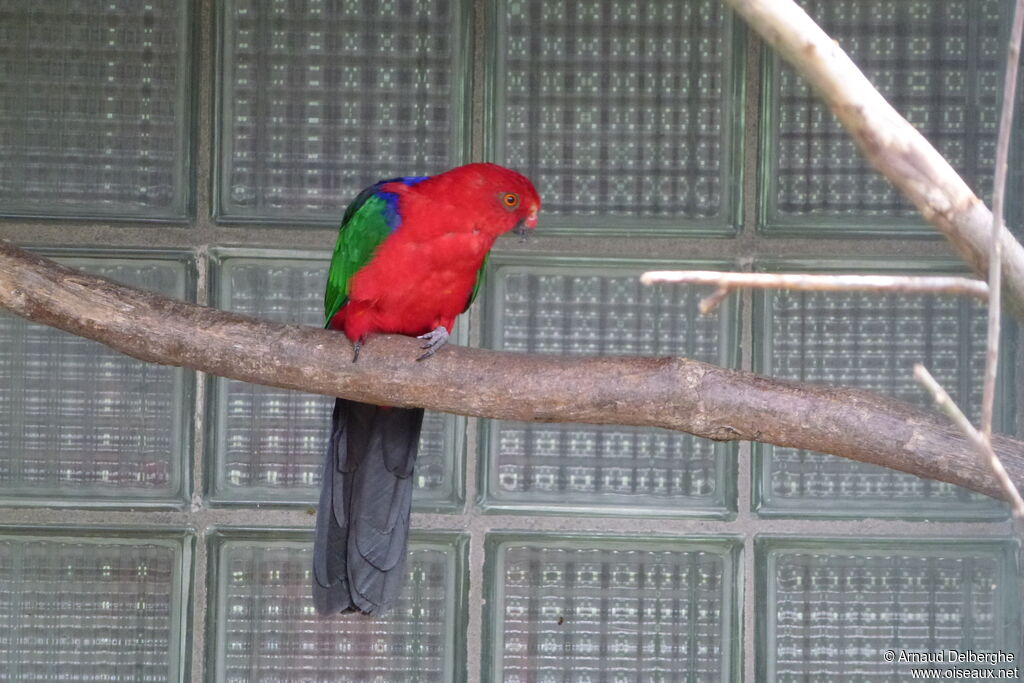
{"x":356,"y":347}
{"x":433,"y":341}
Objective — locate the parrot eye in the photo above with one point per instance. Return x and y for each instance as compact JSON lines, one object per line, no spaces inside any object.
{"x":510,"y":200}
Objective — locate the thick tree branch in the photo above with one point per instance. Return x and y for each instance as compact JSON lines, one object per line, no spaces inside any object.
{"x":889,"y":142}
{"x":674,"y":393}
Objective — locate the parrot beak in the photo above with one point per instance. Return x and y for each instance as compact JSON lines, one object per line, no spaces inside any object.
{"x":531,"y":220}
{"x":524,"y":226}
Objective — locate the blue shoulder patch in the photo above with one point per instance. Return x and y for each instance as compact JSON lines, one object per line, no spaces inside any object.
{"x":391,"y":215}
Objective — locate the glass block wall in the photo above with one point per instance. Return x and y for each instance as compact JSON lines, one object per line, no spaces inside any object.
{"x":82,"y":423}
{"x":826,"y":607}
{"x":324,"y":98}
{"x":93,"y":606}
{"x":622,"y":114}
{"x":607,"y":608}
{"x":95,"y":108}
{"x":155,"y":523}
{"x":266,"y":625}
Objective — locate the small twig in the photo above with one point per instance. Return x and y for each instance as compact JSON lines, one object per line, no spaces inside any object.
{"x":981,"y":442}
{"x":995,"y":250}
{"x":726,"y":282}
{"x":710,"y":302}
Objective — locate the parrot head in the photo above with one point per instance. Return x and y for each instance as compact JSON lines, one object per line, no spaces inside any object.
{"x":491,"y":199}
{"x":498,"y":199}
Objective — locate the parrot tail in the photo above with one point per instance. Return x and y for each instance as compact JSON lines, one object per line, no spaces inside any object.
{"x":362,"y":522}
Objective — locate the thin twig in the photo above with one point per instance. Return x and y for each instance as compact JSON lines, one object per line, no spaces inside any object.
{"x":710,"y":302}
{"x":995,"y":254}
{"x":726,"y":282}
{"x":981,"y":442}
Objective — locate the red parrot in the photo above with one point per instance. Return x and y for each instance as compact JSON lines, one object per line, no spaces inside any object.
{"x":409,"y":259}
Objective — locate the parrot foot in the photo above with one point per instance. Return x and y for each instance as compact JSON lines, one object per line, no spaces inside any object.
{"x":433,"y":341}
{"x":356,"y":348}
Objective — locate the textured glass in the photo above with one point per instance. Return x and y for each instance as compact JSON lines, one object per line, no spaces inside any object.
{"x":832,"y":608}
{"x":940,"y":64}
{"x":268,"y":629}
{"x":603,"y":311}
{"x":81,"y":422}
{"x":620,"y":109}
{"x":320,"y":99}
{"x":869,"y":341}
{"x":94,"y":107}
{"x":597,"y":610}
{"x":90,"y":609}
{"x":270,"y":443}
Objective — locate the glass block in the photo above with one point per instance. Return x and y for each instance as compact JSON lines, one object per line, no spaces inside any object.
{"x":91,"y":608}
{"x":602,"y":309}
{"x":267,"y":628}
{"x":81,"y":423}
{"x":269,"y":443}
{"x":95,"y":108}
{"x":602,"y":609}
{"x":871,"y":341}
{"x":320,"y":99}
{"x":624,"y":115}
{"x":939,"y":64}
{"x":828,"y":610}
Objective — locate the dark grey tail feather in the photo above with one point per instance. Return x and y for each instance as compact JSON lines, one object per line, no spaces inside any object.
{"x":330,"y":571}
{"x":362,"y":523}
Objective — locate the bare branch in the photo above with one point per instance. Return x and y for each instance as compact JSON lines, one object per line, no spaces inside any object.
{"x":980,"y":441}
{"x":673,"y":393}
{"x":889,"y":142}
{"x":995,"y":249}
{"x":726,"y":282}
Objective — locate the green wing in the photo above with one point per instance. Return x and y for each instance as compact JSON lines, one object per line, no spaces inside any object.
{"x":363,"y":227}
{"x":479,"y":282}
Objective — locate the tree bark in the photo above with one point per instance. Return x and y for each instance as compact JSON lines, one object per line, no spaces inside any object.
{"x":888,"y":141}
{"x":674,"y":393}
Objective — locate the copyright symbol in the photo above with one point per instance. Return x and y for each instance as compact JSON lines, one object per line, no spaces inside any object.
{"x":889,"y":656}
